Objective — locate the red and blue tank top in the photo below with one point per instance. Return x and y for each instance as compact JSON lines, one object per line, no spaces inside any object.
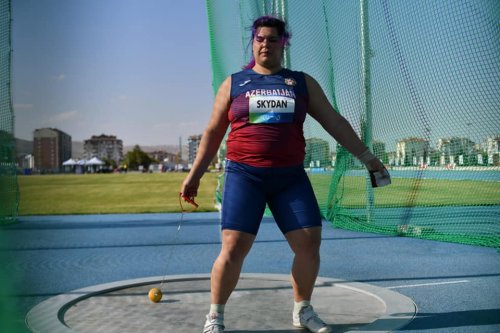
{"x":267,"y":113}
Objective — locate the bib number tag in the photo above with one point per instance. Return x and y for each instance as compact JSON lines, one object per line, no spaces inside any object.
{"x":271,"y":109}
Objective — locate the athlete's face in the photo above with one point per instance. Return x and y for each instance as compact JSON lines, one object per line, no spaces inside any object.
{"x":267,"y":47}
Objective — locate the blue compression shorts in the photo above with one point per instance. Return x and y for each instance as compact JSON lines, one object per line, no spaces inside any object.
{"x":286,"y":190}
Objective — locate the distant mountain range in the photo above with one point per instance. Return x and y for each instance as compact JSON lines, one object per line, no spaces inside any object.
{"x":168,"y":148}
{"x":24,"y":147}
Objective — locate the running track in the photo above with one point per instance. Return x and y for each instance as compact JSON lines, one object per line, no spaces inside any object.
{"x":455,"y":287}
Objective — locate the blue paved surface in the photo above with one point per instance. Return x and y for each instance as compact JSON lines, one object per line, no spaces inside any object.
{"x":456,"y":287}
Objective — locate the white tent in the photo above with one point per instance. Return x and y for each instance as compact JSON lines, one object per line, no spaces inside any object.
{"x":70,"y":162}
{"x":94,"y":161}
{"x":80,"y":166}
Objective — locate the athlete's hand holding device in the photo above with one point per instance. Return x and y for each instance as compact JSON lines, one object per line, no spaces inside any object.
{"x":379,"y":175}
{"x":380,"y":178}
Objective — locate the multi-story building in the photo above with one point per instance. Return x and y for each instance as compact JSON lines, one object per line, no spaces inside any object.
{"x":412,"y":151}
{"x":456,"y":150}
{"x":193,"y":144}
{"x":166,"y":160}
{"x":163,"y":156}
{"x":491,"y":146}
{"x":104,"y":147}
{"x":51,"y":147}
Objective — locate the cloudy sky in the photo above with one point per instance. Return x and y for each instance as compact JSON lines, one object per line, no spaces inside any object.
{"x":139,"y":70}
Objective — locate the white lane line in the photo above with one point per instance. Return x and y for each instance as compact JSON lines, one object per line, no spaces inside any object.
{"x":427,"y":284}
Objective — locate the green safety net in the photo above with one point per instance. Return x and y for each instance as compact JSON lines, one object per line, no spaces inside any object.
{"x":9,"y":197}
{"x":419,"y":82}
{"x":8,"y":179}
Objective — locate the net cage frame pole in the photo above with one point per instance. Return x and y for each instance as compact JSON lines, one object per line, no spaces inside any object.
{"x":281,"y":7}
{"x":9,"y":187}
{"x":366,"y":117}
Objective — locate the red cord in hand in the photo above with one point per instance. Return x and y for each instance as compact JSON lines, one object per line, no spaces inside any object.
{"x":189,"y":200}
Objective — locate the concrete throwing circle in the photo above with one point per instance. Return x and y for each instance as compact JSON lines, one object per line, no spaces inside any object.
{"x":260,"y":303}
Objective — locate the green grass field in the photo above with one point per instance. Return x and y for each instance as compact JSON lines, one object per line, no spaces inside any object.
{"x":109,"y":193}
{"x":404,"y":192}
{"x":158,"y":193}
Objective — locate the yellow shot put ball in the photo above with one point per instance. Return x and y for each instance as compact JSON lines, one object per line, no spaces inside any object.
{"x":155,"y":295}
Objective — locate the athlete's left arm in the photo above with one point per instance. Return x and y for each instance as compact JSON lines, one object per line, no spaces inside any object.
{"x":334,"y":123}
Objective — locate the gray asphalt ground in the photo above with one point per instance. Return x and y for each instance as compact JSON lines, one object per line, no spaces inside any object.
{"x":260,"y":303}
{"x":455,"y":287}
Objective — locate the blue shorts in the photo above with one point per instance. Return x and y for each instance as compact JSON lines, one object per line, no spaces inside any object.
{"x":286,"y":190}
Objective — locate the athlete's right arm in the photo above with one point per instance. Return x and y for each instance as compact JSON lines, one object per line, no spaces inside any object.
{"x":210,"y":140}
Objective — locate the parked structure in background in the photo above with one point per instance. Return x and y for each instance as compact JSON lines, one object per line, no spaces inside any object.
{"x":104,"y":147}
{"x":165,"y":161}
{"x":412,"y":151}
{"x":51,"y":147}
{"x":491,"y":148}
{"x":457,"y":150}
{"x":193,"y":144}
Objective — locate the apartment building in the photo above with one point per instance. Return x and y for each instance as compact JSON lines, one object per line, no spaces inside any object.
{"x":104,"y":147}
{"x":412,"y":151}
{"x":193,"y":144}
{"x":51,"y":147}
{"x":491,"y":147}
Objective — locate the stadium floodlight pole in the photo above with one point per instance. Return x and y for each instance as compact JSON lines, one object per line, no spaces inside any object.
{"x":366,"y":118}
{"x":280,"y":7}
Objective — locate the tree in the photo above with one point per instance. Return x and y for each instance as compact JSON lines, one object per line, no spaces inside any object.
{"x":109,"y":163}
{"x":137,"y":157}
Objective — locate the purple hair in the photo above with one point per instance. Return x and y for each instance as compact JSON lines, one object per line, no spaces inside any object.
{"x":269,"y":22}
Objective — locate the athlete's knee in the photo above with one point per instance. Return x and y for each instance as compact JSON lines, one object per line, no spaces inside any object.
{"x":235,"y":246}
{"x":305,"y":242}
{"x":232,"y":256}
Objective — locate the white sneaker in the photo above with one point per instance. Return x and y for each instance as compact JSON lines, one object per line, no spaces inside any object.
{"x":214,"y":323}
{"x":307,"y":318}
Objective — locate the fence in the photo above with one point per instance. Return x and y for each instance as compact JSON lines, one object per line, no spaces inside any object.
{"x":419,"y":82}
{"x":9,"y":195}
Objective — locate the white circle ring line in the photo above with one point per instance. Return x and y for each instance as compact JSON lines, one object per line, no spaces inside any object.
{"x":48,"y":316}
